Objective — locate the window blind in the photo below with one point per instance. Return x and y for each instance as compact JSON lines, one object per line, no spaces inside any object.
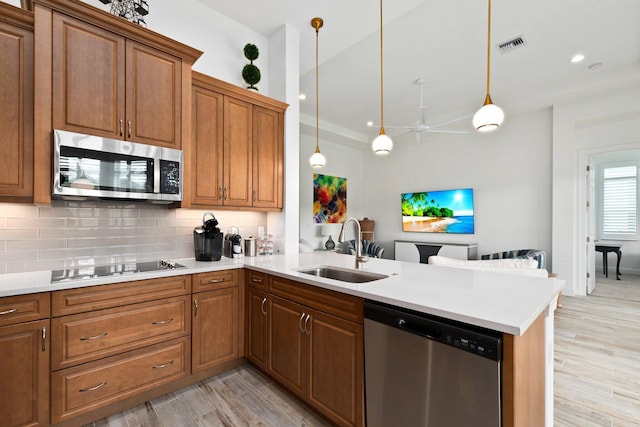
{"x":619,"y":199}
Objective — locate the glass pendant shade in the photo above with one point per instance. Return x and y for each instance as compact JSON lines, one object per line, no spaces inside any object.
{"x":317,"y":160}
{"x":382,"y":145}
{"x":488,"y":118}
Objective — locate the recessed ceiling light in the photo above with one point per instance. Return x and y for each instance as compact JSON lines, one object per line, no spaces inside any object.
{"x":578,"y":57}
{"x":369,"y":123}
{"x":302,"y":97}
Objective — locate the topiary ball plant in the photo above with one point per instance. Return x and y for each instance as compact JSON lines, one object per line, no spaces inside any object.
{"x":251,"y":73}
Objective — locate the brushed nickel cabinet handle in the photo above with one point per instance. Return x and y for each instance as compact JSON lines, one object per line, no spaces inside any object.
{"x":217,"y":280}
{"x":225,"y":193}
{"x":256,"y":280}
{"x":162,"y":322}
{"x":195,"y":308}
{"x":221,"y":191}
{"x":44,"y":339}
{"x":254,"y":195}
{"x":95,"y":337}
{"x":129,"y":134}
{"x":300,"y":322}
{"x":94,"y":388}
{"x":13,"y":310}
{"x":306,"y":322}
{"x":121,"y":127}
{"x":262,"y":309}
{"x":169,"y":363}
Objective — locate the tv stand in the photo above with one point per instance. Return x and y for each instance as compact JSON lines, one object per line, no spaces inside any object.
{"x":415,"y":251}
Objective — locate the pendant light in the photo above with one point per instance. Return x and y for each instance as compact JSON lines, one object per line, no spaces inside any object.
{"x":317,"y":160}
{"x":490,"y":116}
{"x":382,"y":145}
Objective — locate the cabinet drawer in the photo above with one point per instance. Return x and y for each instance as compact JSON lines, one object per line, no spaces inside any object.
{"x":81,"y":389}
{"x":24,"y":308}
{"x":85,"y":337}
{"x":256,"y":279}
{"x":79,"y":300}
{"x":214,"y":280}
{"x":345,"y":306}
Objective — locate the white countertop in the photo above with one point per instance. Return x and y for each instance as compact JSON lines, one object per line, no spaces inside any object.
{"x":503,"y":302}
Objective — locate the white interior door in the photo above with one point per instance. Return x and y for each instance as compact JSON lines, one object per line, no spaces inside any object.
{"x":590,"y":231}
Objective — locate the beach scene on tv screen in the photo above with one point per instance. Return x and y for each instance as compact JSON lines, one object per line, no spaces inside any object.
{"x":448,"y":211}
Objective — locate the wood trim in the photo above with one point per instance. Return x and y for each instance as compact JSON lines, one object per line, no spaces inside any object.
{"x":106,"y":20}
{"x":42,"y":118}
{"x":523,"y":377}
{"x":16,"y":16}
{"x":188,"y":145}
{"x":237,"y":92}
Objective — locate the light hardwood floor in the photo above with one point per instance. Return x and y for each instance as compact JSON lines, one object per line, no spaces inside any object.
{"x":240,"y":397}
{"x":597,"y":376}
{"x":597,"y":356}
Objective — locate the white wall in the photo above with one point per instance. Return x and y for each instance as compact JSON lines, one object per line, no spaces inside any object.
{"x":509,"y":171}
{"x":343,"y":161}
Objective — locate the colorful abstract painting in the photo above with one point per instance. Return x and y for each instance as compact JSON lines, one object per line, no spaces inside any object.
{"x":329,"y":199}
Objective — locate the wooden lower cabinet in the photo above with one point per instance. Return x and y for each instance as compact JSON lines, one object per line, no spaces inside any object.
{"x":215,"y":328}
{"x":84,"y":388}
{"x":287,"y":344}
{"x":257,"y":327}
{"x":90,"y":336}
{"x":24,"y":374}
{"x":319,"y":357}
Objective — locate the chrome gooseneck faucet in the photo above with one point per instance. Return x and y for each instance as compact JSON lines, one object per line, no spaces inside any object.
{"x":359,"y":257}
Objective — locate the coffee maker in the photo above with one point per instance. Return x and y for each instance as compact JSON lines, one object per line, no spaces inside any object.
{"x":207,"y":239}
{"x":233,"y":243}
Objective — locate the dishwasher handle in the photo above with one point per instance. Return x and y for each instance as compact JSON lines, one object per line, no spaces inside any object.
{"x":419,"y":328}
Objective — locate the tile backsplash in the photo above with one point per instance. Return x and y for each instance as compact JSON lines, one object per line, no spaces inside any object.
{"x":53,"y":237}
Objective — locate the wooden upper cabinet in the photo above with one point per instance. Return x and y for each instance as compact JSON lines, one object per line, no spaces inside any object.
{"x":268,"y":154}
{"x":206,"y":139}
{"x":108,"y":86}
{"x":237,"y":147}
{"x":154,"y":96}
{"x":16,"y":102}
{"x":88,"y":78}
{"x":238,"y":152}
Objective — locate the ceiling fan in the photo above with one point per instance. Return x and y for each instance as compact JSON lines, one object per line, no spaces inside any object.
{"x":421,"y":125}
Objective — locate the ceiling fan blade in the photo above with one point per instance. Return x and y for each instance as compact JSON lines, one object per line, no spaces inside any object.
{"x":447,"y":131}
{"x":446,"y":122}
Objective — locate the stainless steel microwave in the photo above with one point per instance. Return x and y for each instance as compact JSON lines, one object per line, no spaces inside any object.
{"x":88,"y":167}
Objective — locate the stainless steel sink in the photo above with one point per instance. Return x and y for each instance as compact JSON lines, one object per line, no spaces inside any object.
{"x":343,"y":274}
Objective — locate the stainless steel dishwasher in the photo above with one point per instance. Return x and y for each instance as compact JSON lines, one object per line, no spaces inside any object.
{"x":426,"y":371}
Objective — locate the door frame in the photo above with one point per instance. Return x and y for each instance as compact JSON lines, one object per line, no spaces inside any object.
{"x":584,"y":159}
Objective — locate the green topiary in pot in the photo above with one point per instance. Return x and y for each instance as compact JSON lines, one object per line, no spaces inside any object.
{"x":251,"y":73}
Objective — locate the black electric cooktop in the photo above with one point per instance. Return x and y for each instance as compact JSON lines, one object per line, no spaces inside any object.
{"x":94,"y":271}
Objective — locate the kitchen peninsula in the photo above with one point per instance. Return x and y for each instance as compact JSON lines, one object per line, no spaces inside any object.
{"x":519,"y":307}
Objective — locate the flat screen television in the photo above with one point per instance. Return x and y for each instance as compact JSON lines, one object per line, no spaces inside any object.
{"x":445,"y":211}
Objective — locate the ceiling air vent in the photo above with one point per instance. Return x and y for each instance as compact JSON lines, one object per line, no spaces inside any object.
{"x":509,"y":45}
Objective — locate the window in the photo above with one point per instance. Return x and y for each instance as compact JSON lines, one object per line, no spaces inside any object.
{"x":619,"y":202}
